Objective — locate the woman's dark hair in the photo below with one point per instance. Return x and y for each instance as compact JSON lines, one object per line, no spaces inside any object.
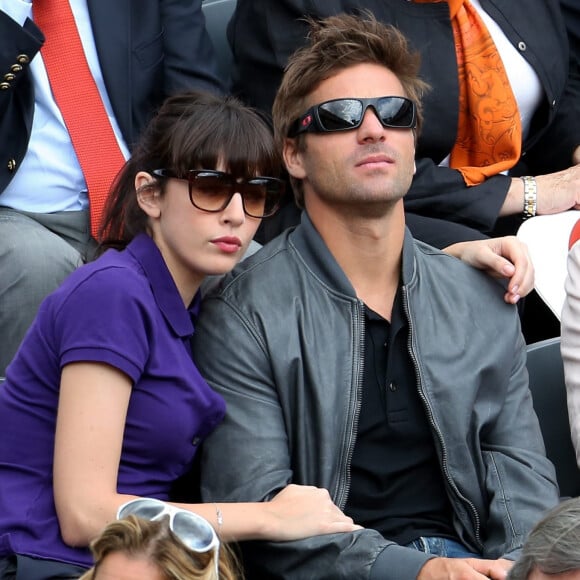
{"x":191,"y":130}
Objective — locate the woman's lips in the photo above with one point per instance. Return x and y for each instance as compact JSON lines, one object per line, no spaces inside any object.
{"x":228,"y":244}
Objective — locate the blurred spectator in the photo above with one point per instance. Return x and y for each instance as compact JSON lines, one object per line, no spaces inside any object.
{"x":552,"y":550}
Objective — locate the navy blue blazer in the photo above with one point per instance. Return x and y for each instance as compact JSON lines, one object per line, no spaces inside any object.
{"x":147,"y":49}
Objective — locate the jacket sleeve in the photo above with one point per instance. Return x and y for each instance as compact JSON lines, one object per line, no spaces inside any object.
{"x":440,"y":233}
{"x":571,"y":344}
{"x":520,"y":481}
{"x":18,"y":46}
{"x":248,"y":458}
{"x":190,"y":61}
{"x":440,"y":192}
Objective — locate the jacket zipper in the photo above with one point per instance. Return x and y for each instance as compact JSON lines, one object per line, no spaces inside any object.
{"x":350,"y":434}
{"x":427,"y":405}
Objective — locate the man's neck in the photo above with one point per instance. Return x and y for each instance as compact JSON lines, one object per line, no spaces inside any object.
{"x":368,"y":249}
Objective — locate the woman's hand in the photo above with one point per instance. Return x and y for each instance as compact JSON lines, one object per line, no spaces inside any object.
{"x":505,"y":257}
{"x":299,"y":511}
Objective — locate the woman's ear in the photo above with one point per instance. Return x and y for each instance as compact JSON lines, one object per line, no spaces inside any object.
{"x":147,"y":190}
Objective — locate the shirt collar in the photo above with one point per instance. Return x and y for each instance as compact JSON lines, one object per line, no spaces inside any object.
{"x":166,"y":294}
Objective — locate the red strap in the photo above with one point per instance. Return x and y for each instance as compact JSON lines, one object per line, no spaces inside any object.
{"x":574,"y":234}
{"x":76,"y":93}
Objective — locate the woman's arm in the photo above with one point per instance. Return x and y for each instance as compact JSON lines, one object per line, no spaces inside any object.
{"x":296,"y":512}
{"x":92,"y":410}
{"x":504,"y":257}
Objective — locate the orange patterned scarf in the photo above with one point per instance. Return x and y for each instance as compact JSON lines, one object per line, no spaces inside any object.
{"x":489,"y":134}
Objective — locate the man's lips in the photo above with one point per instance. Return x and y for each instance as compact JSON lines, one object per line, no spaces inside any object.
{"x":374,"y":160}
{"x":228,"y":244}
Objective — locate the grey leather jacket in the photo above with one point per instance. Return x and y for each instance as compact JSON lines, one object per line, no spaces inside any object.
{"x":282,"y":341}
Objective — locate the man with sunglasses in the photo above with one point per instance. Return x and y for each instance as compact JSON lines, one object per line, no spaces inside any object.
{"x":366,"y":362}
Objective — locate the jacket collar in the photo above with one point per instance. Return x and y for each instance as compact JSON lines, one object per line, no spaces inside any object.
{"x":314,"y":251}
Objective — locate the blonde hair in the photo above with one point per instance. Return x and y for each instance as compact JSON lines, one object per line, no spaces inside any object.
{"x":155,"y":541}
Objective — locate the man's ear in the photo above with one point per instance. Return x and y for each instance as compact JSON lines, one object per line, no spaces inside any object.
{"x":147,"y":191}
{"x":293,"y":158}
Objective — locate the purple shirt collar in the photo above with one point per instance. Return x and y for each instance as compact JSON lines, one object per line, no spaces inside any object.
{"x":167,"y":296}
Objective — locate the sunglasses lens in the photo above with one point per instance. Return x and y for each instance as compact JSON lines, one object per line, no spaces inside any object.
{"x":343,"y":114}
{"x":262,"y":196}
{"x":396,"y":112}
{"x":210,"y":191}
{"x":340,"y":115}
{"x":194,"y":533}
{"x":142,"y":508}
{"x":255,"y":194}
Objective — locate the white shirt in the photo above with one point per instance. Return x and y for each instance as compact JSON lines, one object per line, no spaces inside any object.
{"x":50,"y":178}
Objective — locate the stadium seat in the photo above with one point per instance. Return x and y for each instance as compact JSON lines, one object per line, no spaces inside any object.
{"x":217,"y":16}
{"x":546,"y":372}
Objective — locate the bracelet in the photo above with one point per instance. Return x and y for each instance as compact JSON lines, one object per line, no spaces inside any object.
{"x":530,"y":196}
{"x":219,"y":518}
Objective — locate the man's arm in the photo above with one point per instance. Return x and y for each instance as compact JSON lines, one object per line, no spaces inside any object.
{"x":520,"y":481}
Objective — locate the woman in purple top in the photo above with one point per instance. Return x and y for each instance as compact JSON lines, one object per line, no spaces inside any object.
{"x":103,"y":402}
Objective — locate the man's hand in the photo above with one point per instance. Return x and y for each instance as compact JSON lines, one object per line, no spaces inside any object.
{"x":464,"y":569}
{"x":504,"y":257}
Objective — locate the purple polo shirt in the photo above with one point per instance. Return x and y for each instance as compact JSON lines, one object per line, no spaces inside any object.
{"x":124,"y":310}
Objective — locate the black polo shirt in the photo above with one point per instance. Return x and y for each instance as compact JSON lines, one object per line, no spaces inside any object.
{"x":396,"y":482}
